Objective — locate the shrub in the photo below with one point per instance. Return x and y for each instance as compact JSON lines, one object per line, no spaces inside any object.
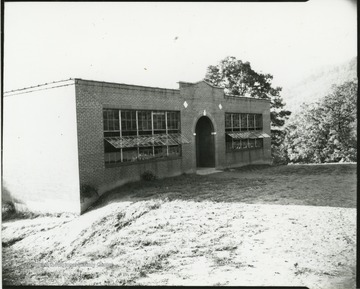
{"x":88,"y":191}
{"x":7,"y":210}
{"x":148,"y":176}
{"x":8,"y":207}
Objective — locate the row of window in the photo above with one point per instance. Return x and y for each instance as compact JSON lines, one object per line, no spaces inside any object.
{"x":135,"y":123}
{"x":132,"y":123}
{"x":241,"y":144}
{"x":142,"y":153}
{"x":237,"y":122}
{"x":129,"y":121}
{"x":243,"y":121}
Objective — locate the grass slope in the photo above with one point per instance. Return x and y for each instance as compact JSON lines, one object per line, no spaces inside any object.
{"x":259,"y":225}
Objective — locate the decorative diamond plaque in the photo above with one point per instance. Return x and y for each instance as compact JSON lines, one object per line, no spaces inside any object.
{"x":185,"y":104}
{"x":220,"y":106}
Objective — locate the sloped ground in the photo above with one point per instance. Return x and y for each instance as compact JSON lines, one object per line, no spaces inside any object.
{"x":293,"y":225}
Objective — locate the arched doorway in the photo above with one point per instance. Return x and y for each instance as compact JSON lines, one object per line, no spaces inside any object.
{"x":205,"y":144}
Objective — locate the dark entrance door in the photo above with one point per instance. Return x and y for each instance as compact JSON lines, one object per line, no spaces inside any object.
{"x":205,"y":146}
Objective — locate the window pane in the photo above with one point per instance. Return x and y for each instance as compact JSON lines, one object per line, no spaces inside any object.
{"x":145,"y":153}
{"x":228,"y":141}
{"x":244,"y":143}
{"x":251,"y":143}
{"x":244,"y":121}
{"x":160,"y":151}
{"x":173,"y":120}
{"x":111,"y":124}
{"x":258,"y":121}
{"x":237,"y":144}
{"x":228,"y":120}
{"x":159,"y":120}
{"x":128,"y":120}
{"x":174,"y":150}
{"x":236,"y":122}
{"x":144,"y":118}
{"x":111,"y":119}
{"x":259,"y":143}
{"x":113,"y":157}
{"x":251,"y":121}
{"x":130,"y":155}
{"x":116,"y":120}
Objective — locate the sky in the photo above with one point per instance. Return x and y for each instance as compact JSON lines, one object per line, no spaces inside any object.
{"x":158,"y":44}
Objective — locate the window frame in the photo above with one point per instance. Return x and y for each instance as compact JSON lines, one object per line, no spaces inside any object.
{"x":247,"y":122}
{"x":134,"y":123}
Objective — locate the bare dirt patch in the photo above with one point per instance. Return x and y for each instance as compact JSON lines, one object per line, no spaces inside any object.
{"x":255,"y":226}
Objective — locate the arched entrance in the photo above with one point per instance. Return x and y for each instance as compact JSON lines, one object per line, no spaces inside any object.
{"x":205,"y":144}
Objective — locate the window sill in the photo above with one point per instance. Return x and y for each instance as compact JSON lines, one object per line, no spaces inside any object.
{"x":125,"y":164}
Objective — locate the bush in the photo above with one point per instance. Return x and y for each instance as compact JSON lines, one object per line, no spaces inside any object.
{"x":278,"y":148}
{"x":7,"y":210}
{"x":8,"y":207}
{"x":148,"y":176}
{"x":325,"y":131}
{"x":279,"y":156}
{"x":88,"y":191}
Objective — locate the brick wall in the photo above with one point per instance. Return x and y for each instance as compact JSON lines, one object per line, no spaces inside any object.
{"x":205,"y":99}
{"x":91,"y":98}
{"x":253,"y":156}
{"x":201,"y":98}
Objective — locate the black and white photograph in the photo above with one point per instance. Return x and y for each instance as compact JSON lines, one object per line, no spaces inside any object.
{"x":179,"y":144}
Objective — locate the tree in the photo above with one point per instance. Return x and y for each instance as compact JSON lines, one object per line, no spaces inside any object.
{"x":239,"y":79}
{"x":325,"y":131}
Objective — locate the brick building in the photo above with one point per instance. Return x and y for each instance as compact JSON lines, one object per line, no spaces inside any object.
{"x":70,"y":134}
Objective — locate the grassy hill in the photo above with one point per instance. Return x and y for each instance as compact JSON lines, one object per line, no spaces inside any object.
{"x":319,"y":84}
{"x":253,"y":226}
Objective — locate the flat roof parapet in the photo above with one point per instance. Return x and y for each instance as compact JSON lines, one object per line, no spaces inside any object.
{"x":122,"y":85}
{"x":232,"y":96}
{"x":72,"y":81}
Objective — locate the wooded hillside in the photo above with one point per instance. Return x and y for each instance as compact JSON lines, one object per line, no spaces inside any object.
{"x":319,"y":84}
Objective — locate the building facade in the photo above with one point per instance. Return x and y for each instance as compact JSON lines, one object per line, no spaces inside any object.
{"x":81,"y":133}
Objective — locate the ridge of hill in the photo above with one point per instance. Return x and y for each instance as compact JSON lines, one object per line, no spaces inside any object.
{"x":319,"y":84}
